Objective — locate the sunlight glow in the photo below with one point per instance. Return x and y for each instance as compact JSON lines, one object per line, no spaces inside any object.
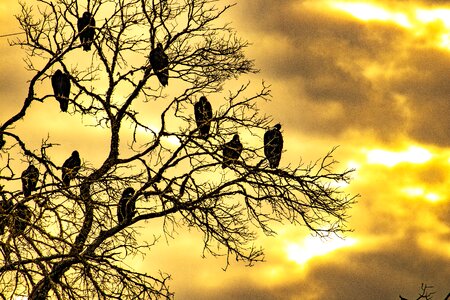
{"x":437,"y":16}
{"x":421,"y":192}
{"x":311,"y":247}
{"x":416,"y":20}
{"x":369,"y":12}
{"x":413,"y":191}
{"x":432,"y":15}
{"x":413,"y":154}
{"x":432,"y":197}
{"x":352,"y":164}
{"x":171,"y":139}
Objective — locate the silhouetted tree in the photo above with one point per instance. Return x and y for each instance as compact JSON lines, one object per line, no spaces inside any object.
{"x":426,"y":293}
{"x":68,"y":243}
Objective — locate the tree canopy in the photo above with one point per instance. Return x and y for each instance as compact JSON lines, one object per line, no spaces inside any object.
{"x":66,"y":237}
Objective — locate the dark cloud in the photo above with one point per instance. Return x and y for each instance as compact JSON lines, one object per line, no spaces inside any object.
{"x":318,"y":64}
{"x":383,"y":274}
{"x":401,"y":244}
{"x":426,"y":86}
{"x":399,"y":268}
{"x":324,"y":57}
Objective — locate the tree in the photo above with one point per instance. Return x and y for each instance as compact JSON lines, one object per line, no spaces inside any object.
{"x":426,"y":293}
{"x":73,"y":244}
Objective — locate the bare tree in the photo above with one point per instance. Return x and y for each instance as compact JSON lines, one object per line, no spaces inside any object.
{"x":426,"y":293}
{"x":67,"y":239}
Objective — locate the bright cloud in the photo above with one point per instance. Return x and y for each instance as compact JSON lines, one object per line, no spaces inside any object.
{"x":311,"y":247}
{"x":417,"y":20}
{"x":370,"y":12}
{"x":414,"y":155}
{"x":421,"y":192}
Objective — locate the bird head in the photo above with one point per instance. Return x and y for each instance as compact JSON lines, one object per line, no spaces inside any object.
{"x":58,"y":72}
{"x":236,"y":137}
{"x":277,"y":126}
{"x":203,"y":99}
{"x":86,"y":15}
{"x":129,"y":191}
{"x":75,"y":154}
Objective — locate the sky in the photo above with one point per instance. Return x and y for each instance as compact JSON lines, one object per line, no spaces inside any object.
{"x":368,"y":76}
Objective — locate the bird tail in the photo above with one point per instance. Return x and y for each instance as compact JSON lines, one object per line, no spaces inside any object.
{"x":66,"y":180}
{"x":163,"y":79}
{"x":86,"y":46}
{"x":63,"y":103}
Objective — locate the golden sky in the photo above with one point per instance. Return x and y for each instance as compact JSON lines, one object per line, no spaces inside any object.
{"x":369,"y":76}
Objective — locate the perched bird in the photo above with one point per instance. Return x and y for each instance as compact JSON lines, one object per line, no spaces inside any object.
{"x":21,"y":218}
{"x":126,"y":206}
{"x":160,"y":62}
{"x":71,"y":167}
{"x":5,"y":211}
{"x":273,"y":145}
{"x":203,"y":116}
{"x":231,"y":151}
{"x":86,"y":30}
{"x":61,"y":89}
{"x":29,"y":180}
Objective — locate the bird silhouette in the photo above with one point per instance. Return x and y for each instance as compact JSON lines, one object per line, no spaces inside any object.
{"x":5,"y":211}
{"x":273,"y":145}
{"x":71,"y":167}
{"x":86,"y":30}
{"x":21,"y":219}
{"x":159,"y":62}
{"x":29,"y":178}
{"x":61,"y":88}
{"x":231,"y":151}
{"x":203,"y":116}
{"x":126,"y":206}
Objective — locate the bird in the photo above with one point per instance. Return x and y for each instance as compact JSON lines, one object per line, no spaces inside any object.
{"x":159,"y":62}
{"x":86,"y":30}
{"x":203,"y":116}
{"x":231,"y":151}
{"x":29,"y":178}
{"x":61,"y":88}
{"x":273,"y":145}
{"x":71,"y":167}
{"x":126,"y":206}
{"x":21,"y":219}
{"x":5,"y":211}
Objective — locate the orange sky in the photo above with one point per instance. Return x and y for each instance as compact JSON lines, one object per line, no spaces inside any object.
{"x":369,"y":76}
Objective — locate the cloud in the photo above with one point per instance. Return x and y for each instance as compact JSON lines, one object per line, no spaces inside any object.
{"x":425,"y":86}
{"x":337,"y":73}
{"x":402,"y":241}
{"x":332,"y":75}
{"x":348,"y":274}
